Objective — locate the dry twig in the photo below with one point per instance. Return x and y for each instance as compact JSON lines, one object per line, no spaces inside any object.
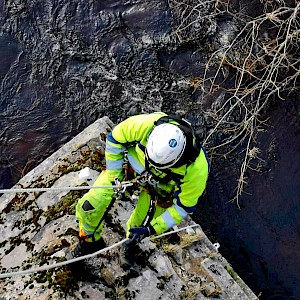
{"x":264,"y":55}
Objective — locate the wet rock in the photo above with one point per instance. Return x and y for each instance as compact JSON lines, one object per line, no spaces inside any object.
{"x":121,"y":50}
{"x":81,"y":60}
{"x":184,"y":61}
{"x":150,"y":17}
{"x":10,"y":49}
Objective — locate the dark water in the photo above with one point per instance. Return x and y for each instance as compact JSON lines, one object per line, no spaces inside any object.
{"x":64,"y":64}
{"x":262,"y":239}
{"x":275,"y":202}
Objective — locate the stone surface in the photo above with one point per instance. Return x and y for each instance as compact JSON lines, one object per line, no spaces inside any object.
{"x":15,"y":257}
{"x":52,"y":231}
{"x":75,"y":178}
{"x":189,"y":269}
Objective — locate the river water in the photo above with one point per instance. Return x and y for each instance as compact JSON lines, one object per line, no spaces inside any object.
{"x":261,"y":239}
{"x":63,"y":65}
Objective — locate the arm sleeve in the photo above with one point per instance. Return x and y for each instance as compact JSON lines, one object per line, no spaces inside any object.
{"x":133,"y":130}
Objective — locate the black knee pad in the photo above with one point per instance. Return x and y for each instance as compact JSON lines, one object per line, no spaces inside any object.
{"x":87,"y":206}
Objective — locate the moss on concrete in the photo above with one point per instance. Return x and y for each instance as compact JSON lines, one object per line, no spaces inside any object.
{"x":65,"y":206}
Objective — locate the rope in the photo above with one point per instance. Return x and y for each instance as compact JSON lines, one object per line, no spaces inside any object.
{"x":63,"y":263}
{"x":119,"y":186}
{"x":62,"y":188}
{"x":170,"y":232}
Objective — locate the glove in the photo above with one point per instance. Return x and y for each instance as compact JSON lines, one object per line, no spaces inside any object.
{"x":139,"y":233}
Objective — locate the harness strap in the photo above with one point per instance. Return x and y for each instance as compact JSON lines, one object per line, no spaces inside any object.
{"x":151,"y":210}
{"x":169,"y":175}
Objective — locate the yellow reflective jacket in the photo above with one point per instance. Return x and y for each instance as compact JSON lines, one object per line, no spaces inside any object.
{"x":132,"y":135}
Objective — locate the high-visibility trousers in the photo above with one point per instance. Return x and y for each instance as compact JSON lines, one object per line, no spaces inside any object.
{"x":93,"y":205}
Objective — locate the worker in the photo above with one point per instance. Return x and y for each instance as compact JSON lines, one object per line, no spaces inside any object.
{"x":163,"y":147}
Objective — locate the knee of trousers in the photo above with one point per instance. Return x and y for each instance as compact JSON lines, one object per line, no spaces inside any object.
{"x":89,"y":212}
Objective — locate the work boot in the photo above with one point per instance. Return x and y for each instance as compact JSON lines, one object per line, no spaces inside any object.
{"x":83,"y":247}
{"x":128,"y":254}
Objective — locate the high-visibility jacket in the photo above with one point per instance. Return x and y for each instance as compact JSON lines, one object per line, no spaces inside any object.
{"x":132,"y":135}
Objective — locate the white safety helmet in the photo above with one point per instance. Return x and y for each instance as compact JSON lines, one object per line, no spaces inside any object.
{"x":165,"y":146}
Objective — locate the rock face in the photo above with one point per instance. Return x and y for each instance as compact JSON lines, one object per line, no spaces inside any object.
{"x":38,"y":229}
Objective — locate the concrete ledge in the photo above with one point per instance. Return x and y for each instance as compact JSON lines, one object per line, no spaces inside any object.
{"x":40,"y":228}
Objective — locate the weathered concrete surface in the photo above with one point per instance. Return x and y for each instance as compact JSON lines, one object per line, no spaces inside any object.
{"x":39,"y":229}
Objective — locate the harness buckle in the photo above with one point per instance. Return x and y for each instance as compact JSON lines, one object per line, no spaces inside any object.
{"x":120,"y":187}
{"x":146,"y":178}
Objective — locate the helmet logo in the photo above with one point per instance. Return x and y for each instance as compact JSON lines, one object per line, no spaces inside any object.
{"x":172,"y":143}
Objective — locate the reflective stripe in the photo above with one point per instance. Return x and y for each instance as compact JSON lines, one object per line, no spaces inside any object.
{"x":114,"y":164}
{"x":111,"y":139}
{"x":182,"y":212}
{"x":168,"y":219}
{"x":88,"y":229}
{"x":112,"y":149}
{"x":136,"y":166}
